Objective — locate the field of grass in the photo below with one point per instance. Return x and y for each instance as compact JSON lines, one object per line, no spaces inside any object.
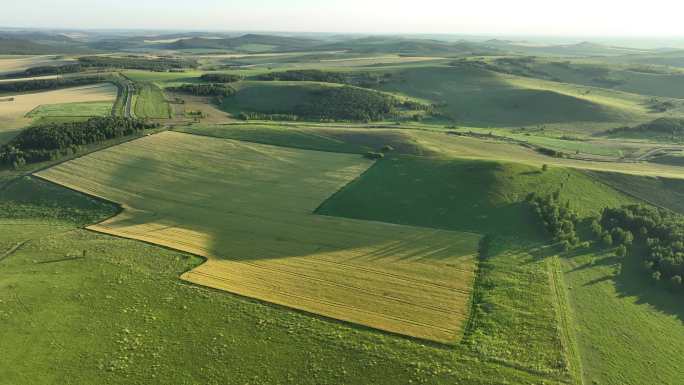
{"x":474,"y":148}
{"x":344,"y":138}
{"x":314,"y":137}
{"x":662,"y":192}
{"x":121,"y":307}
{"x":150,"y":102}
{"x":13,"y":114}
{"x":483,"y":98}
{"x":629,"y":331}
{"x":87,"y":109}
{"x":479,"y":196}
{"x":656,"y":84}
{"x":407,"y":280}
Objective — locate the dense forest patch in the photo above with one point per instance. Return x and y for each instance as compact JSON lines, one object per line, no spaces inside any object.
{"x":49,"y":84}
{"x":160,"y":64}
{"x":211,"y":89}
{"x":51,"y":141}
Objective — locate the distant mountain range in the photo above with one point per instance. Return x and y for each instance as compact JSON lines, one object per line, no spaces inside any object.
{"x":74,"y":42}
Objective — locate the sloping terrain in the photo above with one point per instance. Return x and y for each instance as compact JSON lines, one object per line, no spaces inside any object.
{"x":248,"y":209}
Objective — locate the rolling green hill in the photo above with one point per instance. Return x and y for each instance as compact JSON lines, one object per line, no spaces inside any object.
{"x":244,"y":43}
{"x":478,"y":97}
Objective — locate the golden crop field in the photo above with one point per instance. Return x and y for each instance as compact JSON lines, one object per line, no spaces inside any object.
{"x":10,"y":63}
{"x":249,"y":209}
{"x":13,"y":112}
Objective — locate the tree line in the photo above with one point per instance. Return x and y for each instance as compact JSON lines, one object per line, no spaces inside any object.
{"x":212,"y":89}
{"x":220,"y":78}
{"x":46,"y":70}
{"x":49,"y":84}
{"x":52,"y":141}
{"x":360,"y":79}
{"x":161,"y":64}
{"x":666,"y":126}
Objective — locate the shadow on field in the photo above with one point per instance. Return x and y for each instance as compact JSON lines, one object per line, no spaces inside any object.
{"x":634,"y":281}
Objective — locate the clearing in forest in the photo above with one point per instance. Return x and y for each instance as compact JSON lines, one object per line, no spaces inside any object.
{"x":249,"y":209}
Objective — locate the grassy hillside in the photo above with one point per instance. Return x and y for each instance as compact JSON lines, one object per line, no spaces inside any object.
{"x":478,"y":196}
{"x":629,"y":331}
{"x":406,"y":280}
{"x":159,"y":322}
{"x":321,"y":138}
{"x":663,"y":192}
{"x":473,"y":96}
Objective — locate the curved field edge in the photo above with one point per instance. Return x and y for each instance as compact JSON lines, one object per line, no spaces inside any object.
{"x":401,"y":279}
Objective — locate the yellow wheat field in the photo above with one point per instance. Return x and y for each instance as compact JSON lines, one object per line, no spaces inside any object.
{"x":249,"y":209}
{"x":13,"y":112}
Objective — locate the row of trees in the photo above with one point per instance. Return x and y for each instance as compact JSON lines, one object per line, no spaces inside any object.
{"x":212,"y":89}
{"x":220,"y":78}
{"x":666,"y":126}
{"x":361,"y":79}
{"x":160,"y":64}
{"x":51,"y":141}
{"x":49,"y":84}
{"x":47,"y":70}
{"x":305,"y":75}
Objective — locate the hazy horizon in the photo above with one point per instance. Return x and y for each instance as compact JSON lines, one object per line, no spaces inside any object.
{"x":582,"y":18}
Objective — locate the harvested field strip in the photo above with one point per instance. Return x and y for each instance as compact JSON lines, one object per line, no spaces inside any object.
{"x":249,"y":208}
{"x":567,"y":325}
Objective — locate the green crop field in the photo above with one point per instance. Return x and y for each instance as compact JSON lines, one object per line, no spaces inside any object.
{"x":87,"y":109}
{"x":407,"y":280}
{"x":150,"y":102}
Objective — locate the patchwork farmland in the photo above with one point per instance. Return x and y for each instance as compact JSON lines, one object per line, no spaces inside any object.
{"x":248,"y":209}
{"x":13,"y":112}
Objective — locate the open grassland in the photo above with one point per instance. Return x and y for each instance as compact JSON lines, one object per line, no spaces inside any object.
{"x":662,"y":192}
{"x":473,"y":96}
{"x":340,"y":138}
{"x":667,"y":83}
{"x":311,"y":137}
{"x":253,"y":219}
{"x":13,"y":114}
{"x":125,"y":318}
{"x":86,"y":109}
{"x":629,"y":330}
{"x":465,"y":147}
{"x":466,"y":195}
{"x":515,"y":281}
{"x":150,"y":102}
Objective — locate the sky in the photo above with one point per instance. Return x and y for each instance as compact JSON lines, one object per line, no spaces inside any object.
{"x":488,"y":17}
